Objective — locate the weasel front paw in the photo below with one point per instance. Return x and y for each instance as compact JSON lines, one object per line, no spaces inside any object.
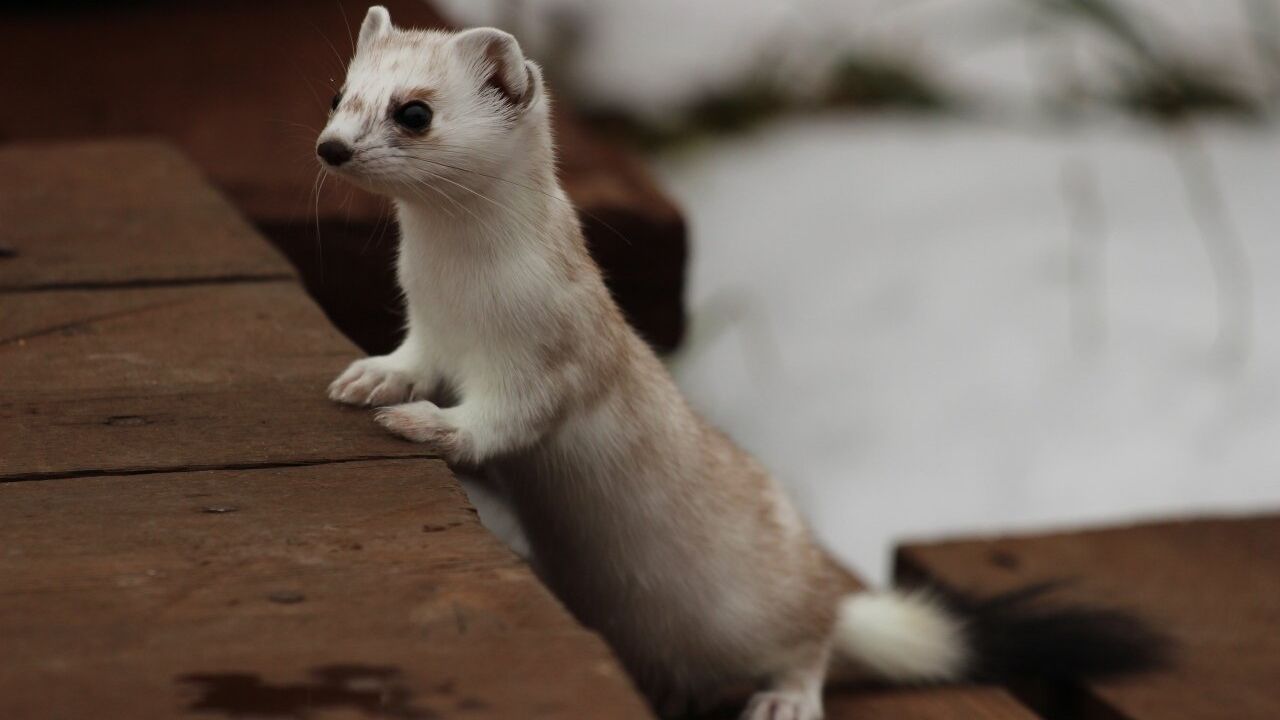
{"x":373,"y":381}
{"x":424,"y":422}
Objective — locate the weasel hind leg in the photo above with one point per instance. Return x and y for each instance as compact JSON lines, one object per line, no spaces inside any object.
{"x":793,"y":695}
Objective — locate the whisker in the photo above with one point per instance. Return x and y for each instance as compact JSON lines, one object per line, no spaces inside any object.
{"x":564,"y":200}
{"x":322,"y":176}
{"x":294,"y":123}
{"x":379,"y":227}
{"x":342,"y":64}
{"x":347,"y":23}
{"x":422,"y":173}
{"x":417,"y":189}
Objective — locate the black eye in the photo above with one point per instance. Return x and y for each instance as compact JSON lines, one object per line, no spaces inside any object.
{"x":414,"y":115}
{"x":336,"y":99}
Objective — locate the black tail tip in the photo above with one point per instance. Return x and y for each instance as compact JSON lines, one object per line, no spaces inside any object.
{"x":1026,"y":634}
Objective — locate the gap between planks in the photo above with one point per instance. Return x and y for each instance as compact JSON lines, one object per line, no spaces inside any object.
{"x":141,"y":284}
{"x":125,"y":472}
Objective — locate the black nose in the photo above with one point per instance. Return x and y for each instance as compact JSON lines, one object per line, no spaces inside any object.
{"x":334,"y":152}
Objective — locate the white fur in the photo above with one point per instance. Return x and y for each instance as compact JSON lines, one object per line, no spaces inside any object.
{"x":904,"y":637}
{"x":651,"y":526}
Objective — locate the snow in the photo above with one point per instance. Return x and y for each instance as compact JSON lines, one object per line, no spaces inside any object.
{"x":885,"y":312}
{"x":655,"y":57}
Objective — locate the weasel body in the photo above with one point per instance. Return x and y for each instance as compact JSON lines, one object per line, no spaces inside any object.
{"x":649,"y":524}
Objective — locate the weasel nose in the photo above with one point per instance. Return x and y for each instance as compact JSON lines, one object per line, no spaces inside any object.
{"x":334,"y":152}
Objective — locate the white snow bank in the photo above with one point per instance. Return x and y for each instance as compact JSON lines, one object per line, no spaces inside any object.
{"x":887,"y":315}
{"x":654,"y":57}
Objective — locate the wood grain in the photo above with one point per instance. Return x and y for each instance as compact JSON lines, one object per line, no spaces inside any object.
{"x":343,"y":590}
{"x":119,"y":213}
{"x":294,"y":577}
{"x":1214,"y":585}
{"x":77,"y":340}
{"x":58,"y":434}
{"x":939,"y":703}
{"x":130,"y":380}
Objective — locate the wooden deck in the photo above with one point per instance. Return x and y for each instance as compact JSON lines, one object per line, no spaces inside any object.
{"x":189,"y":528}
{"x":188,"y":525}
{"x":1214,"y":585}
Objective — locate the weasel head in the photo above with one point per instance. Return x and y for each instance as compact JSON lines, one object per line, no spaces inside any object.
{"x":425,"y":112}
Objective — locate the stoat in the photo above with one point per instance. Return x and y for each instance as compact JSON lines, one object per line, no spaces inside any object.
{"x":648,"y":523}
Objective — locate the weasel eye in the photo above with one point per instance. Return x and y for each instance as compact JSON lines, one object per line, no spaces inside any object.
{"x":414,"y":115}
{"x":336,"y":99}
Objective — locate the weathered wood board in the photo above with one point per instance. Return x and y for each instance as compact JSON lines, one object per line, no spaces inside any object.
{"x":127,"y":380}
{"x":1214,"y":585}
{"x":278,"y":583}
{"x":248,"y":113}
{"x":361,"y":589}
{"x":935,"y":703}
{"x":221,"y":334}
{"x":119,"y":213}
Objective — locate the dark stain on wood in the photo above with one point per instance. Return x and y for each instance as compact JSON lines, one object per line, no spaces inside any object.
{"x":439,"y":527}
{"x":128,"y":420}
{"x":1004,"y":559}
{"x":376,"y":691}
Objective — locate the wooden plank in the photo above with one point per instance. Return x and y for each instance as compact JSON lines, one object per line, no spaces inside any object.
{"x":273,"y":86}
{"x":343,"y":590}
{"x":271,"y":591}
{"x":1212,"y":584}
{"x":152,"y":338}
{"x":348,"y":589}
{"x":59,"y":434}
{"x":937,"y":703}
{"x":129,"y":380}
{"x":122,"y":212}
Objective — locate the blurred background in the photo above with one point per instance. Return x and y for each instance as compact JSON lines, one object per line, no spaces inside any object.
{"x":952,"y":267}
{"x":961,"y":267}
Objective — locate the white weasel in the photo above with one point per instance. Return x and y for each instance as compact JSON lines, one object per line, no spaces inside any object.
{"x":650,"y":525}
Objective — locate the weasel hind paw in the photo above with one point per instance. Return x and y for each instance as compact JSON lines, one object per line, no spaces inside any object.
{"x":372,"y":381}
{"x":778,"y":705}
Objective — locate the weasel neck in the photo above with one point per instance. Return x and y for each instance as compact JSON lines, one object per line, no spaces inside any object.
{"x":484,"y":216}
{"x":520,"y":200}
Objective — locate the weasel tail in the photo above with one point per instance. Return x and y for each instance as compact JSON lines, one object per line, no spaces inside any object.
{"x":930,"y":635}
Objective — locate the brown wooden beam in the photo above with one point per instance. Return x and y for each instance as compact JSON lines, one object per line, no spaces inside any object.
{"x":243,"y":87}
{"x":1214,"y":585}
{"x":341,"y":590}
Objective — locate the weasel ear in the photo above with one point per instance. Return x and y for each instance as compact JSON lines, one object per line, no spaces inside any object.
{"x":497,"y":56}
{"x":377,"y":22}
